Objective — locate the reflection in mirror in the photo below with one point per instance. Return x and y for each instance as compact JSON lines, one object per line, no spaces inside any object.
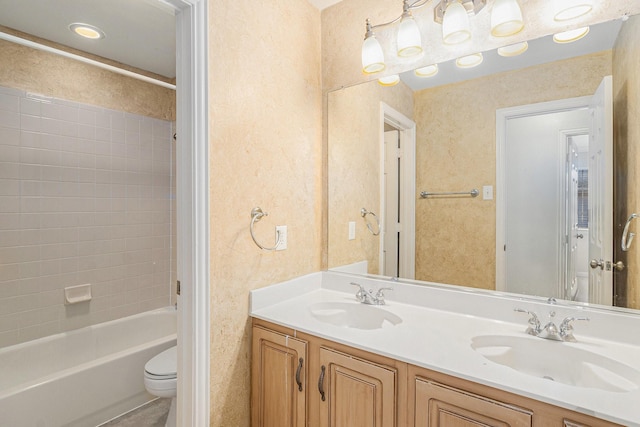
{"x":460,"y":240}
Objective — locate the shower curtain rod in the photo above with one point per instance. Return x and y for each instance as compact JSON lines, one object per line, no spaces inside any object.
{"x":34,"y":45}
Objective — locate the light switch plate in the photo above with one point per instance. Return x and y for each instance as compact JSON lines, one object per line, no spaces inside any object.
{"x":282,"y":231}
{"x":487,"y":192}
{"x":352,"y":230}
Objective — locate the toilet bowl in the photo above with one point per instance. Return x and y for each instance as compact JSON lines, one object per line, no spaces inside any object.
{"x":161,"y":379}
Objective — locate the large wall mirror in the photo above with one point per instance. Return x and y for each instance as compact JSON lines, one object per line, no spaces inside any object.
{"x":494,"y":177}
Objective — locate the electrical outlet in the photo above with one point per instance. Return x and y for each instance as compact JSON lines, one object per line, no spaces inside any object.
{"x":281,"y":231}
{"x":352,"y":230}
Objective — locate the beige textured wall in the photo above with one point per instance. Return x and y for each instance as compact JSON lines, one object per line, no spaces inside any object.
{"x":455,"y":237}
{"x":52,"y":75}
{"x":266,"y":145}
{"x":354,"y":165}
{"x":343,"y":28}
{"x":626,"y":94}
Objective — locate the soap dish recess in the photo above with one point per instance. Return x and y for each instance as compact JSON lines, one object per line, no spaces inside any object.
{"x":76,"y":294}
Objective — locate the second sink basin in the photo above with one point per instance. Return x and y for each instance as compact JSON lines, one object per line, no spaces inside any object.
{"x":557,"y":361}
{"x":353,"y":315}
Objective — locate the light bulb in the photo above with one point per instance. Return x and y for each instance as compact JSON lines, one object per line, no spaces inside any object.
{"x":455,"y":24}
{"x":408,"y":37}
{"x":506,"y":18}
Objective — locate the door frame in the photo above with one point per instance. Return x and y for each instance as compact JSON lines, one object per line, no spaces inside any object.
{"x":502,"y":115}
{"x":407,"y":129}
{"x":192,"y":211}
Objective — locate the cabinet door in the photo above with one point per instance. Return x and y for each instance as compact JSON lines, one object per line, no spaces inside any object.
{"x":355,"y":392}
{"x":440,"y":405}
{"x":278,"y":389}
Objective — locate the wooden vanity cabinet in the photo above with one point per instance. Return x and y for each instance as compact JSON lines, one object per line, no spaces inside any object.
{"x":279,"y":372}
{"x":301,"y":380}
{"x":341,"y":386}
{"x":436,"y":399}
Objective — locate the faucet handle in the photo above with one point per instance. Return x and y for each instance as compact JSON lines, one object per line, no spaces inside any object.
{"x":566,"y":328}
{"x":362,"y":292}
{"x":380,"y":295}
{"x":534,"y":322}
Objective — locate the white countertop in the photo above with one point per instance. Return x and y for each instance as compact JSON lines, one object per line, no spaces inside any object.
{"x":437,"y":327}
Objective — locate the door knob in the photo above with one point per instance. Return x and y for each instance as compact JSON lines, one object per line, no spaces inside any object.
{"x":580,"y":236}
{"x":595,"y":263}
{"x":618,"y":265}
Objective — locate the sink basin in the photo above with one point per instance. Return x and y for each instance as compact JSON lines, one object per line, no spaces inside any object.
{"x":558,"y":361}
{"x":353,"y":315}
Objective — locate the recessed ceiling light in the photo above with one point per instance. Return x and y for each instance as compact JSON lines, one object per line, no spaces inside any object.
{"x":470,"y":61}
{"x":428,"y":71}
{"x":87,"y":31}
{"x":571,"y":35}
{"x":389,"y":80}
{"x":514,"y":49}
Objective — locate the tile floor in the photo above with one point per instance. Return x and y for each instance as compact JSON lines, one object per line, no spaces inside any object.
{"x":153,"y":414}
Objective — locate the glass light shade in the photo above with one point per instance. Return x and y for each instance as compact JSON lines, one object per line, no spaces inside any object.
{"x":570,"y":9}
{"x":571,"y":35}
{"x":389,"y":80}
{"x":372,"y":56}
{"x":428,"y":71}
{"x":470,"y":61}
{"x":408,"y":37}
{"x":506,"y":18}
{"x":455,"y":24}
{"x":513,"y":50}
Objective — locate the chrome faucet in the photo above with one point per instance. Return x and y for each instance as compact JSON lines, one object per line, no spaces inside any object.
{"x":550,"y":331}
{"x":367,"y":296}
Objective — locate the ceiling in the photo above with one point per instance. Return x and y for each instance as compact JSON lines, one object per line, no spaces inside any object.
{"x":139,"y":33}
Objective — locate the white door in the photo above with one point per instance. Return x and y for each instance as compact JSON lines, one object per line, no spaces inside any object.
{"x":571,"y":283}
{"x":391,"y":214}
{"x":601,"y":195}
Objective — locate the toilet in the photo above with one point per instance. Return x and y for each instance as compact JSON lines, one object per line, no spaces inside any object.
{"x":160,"y":379}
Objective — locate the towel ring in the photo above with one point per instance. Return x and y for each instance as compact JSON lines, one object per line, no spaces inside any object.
{"x":627,"y":237}
{"x":256,"y":215}
{"x":364,"y":212}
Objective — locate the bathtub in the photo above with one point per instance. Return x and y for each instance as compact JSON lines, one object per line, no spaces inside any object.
{"x":84,"y":377}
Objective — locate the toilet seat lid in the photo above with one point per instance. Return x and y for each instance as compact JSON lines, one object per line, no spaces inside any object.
{"x":164,"y":364}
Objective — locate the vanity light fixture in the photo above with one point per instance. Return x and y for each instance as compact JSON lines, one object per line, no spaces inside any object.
{"x":566,"y":10}
{"x":372,"y":55}
{"x":506,"y":18}
{"x":571,"y":35}
{"x":408,"y":40}
{"x":513,"y":49}
{"x":428,"y":71}
{"x":455,"y":24}
{"x":408,"y":37}
{"x":389,"y":80}
{"x":470,"y":61}
{"x":87,"y":31}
